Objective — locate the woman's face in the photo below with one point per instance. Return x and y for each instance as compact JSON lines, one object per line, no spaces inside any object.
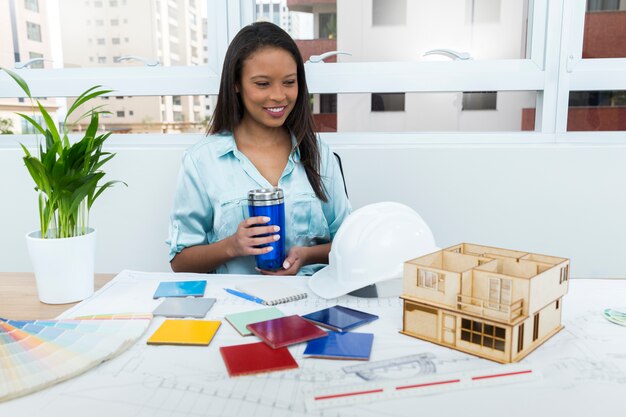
{"x":268,"y":86}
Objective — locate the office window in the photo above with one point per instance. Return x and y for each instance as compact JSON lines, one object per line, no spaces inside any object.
{"x":33,"y":31}
{"x":102,"y":60}
{"x":597,"y":110}
{"x":100,"y":41}
{"x":97,"y":4}
{"x":113,"y":3}
{"x":388,"y":12}
{"x":35,"y":64}
{"x":387,"y":102}
{"x":152,"y":40}
{"x":480,"y":101}
{"x":605,"y":29}
{"x":176,"y":101}
{"x":32,"y":5}
{"x":151,"y":114}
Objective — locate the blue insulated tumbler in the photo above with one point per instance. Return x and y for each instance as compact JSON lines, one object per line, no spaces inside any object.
{"x":269,"y":202}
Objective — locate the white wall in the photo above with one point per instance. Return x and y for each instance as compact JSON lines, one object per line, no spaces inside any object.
{"x":558,"y":199}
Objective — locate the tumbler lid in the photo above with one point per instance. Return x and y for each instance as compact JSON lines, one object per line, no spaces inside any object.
{"x":265,"y":194}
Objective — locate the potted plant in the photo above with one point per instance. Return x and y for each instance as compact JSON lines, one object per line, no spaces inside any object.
{"x":67,"y":179}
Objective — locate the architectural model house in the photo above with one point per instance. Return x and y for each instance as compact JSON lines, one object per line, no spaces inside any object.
{"x":495,"y":303}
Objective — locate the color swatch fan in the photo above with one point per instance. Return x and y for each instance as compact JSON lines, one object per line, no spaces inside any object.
{"x":36,"y":354}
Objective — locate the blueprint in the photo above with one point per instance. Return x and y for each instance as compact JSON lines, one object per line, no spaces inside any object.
{"x":582,"y":368}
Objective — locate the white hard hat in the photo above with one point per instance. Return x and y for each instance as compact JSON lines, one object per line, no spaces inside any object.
{"x":371,"y":246}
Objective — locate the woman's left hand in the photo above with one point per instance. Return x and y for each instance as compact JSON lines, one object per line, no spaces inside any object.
{"x":295,"y":260}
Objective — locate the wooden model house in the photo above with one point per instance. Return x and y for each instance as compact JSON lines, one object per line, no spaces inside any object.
{"x":495,"y":303}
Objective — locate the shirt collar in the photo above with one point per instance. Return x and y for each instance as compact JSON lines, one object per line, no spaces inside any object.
{"x":226,"y":144}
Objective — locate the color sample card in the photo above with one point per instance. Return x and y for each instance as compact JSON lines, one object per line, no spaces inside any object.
{"x":340,"y":318}
{"x":355,"y":346}
{"x":184,"y":307}
{"x":36,"y":354}
{"x":180,"y":289}
{"x":240,"y":320}
{"x":256,"y":358}
{"x":185,"y":332}
{"x":286,"y":331}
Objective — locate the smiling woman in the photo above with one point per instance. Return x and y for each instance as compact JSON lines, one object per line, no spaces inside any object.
{"x":261,"y":137}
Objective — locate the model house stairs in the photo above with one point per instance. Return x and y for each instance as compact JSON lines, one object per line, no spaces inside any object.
{"x":495,"y":303}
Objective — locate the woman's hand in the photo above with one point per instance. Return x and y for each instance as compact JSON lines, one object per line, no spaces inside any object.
{"x":296,"y":259}
{"x":244,"y":241}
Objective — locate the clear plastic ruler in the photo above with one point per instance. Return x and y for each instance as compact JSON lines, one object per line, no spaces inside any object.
{"x":429,"y":384}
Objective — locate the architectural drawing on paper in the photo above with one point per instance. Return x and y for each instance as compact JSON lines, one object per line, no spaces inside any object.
{"x":495,"y":303}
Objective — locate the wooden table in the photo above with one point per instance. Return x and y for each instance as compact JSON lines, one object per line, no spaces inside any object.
{"x":18,"y":297}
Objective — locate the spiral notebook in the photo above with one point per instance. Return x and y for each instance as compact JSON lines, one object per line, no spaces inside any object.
{"x":272,"y":292}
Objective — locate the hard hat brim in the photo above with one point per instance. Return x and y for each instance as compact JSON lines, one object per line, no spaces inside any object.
{"x":327,"y":285}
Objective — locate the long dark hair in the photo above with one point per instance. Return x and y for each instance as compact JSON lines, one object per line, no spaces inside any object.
{"x":229,"y":109}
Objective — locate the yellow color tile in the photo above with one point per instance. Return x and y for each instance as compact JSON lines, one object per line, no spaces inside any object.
{"x":184,"y":332}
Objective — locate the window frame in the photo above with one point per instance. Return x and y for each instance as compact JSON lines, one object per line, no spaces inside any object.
{"x":554,"y":68}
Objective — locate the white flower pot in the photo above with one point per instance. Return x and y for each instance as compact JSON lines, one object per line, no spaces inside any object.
{"x":64,"y":268}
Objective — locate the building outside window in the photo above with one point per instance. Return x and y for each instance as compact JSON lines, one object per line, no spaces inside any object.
{"x":39,"y":64}
{"x":388,"y":12}
{"x":33,"y":31}
{"x":32,"y":5}
{"x":387,"y":102}
{"x":27,"y":128}
{"x":482,"y":100}
{"x":328,"y":26}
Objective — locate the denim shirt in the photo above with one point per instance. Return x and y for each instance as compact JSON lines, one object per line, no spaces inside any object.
{"x":211,"y":200}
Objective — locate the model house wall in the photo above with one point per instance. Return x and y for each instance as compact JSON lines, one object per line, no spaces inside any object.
{"x":495,"y":303}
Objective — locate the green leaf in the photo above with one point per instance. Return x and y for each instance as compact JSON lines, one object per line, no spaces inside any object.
{"x":19,"y":80}
{"x":67,"y":175}
{"x":32,"y":122}
{"x":52,"y":127}
{"x":85,"y":97}
{"x":101,"y":189}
